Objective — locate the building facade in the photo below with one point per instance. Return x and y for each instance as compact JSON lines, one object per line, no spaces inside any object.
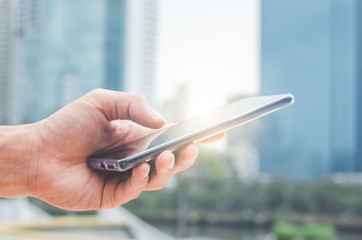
{"x":65,"y":49}
{"x":141,"y":47}
{"x":5,"y":59}
{"x":343,"y":82}
{"x":309,"y":48}
{"x":358,"y":89}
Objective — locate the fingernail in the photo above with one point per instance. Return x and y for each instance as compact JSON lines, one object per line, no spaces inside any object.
{"x":146,"y":174}
{"x":171,"y":165}
{"x":155,"y":114}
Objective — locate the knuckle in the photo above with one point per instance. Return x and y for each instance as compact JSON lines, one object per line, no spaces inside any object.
{"x":135,"y":195}
{"x":98,"y":91}
{"x":139,"y":97}
{"x":133,"y":187}
{"x":187,"y":164}
{"x":188,"y":161}
{"x":192,"y":162}
{"x":137,"y":187}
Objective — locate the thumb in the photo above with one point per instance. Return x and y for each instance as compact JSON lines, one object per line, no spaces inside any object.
{"x":121,"y":105}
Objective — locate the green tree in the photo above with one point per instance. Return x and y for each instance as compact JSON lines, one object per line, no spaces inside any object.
{"x":285,"y":231}
{"x":319,"y":232}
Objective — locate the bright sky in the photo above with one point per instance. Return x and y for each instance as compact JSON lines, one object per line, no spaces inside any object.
{"x":212,"y":45}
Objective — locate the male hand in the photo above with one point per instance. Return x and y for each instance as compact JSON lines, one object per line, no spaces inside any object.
{"x":99,"y":121}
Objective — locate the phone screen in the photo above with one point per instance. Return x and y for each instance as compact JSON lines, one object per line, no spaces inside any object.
{"x":175,"y":136}
{"x":223,"y":116}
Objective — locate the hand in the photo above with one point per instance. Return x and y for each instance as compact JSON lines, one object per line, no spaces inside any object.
{"x":97,"y":122}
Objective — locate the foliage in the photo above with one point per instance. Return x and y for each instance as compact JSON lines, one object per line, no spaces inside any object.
{"x":231,"y":200}
{"x":288,"y":231}
{"x":285,"y":231}
{"x":318,"y":232}
{"x":212,"y":194}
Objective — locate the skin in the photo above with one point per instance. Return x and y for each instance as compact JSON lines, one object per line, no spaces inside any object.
{"x":47,"y":159}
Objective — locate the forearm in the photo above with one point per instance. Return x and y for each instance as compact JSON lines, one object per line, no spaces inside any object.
{"x":18,"y":148}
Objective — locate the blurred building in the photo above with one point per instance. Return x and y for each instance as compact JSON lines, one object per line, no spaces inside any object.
{"x":309,"y":48}
{"x":177,"y":108}
{"x":5,"y":59}
{"x":141,"y":38}
{"x":343,"y":86}
{"x":65,"y":49}
{"x":359,"y":84}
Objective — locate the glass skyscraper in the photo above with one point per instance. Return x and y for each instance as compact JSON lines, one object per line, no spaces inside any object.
{"x":65,"y":49}
{"x":61,"y":51}
{"x":309,"y":48}
{"x":359,"y":85}
{"x":115,"y":31}
{"x":5,"y":59}
{"x":140,"y":67}
{"x":343,"y":83}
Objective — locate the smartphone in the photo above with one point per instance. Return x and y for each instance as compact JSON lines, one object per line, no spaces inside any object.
{"x":175,"y":136}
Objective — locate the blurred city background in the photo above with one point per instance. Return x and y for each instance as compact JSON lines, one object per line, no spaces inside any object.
{"x":295,"y":174}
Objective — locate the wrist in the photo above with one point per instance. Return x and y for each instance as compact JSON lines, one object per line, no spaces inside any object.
{"x":18,"y":153}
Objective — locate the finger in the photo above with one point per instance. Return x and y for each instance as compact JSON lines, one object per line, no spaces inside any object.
{"x":162,"y":171}
{"x":134,"y":185}
{"x":185,"y":158}
{"x":212,"y":138}
{"x":121,"y":105}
